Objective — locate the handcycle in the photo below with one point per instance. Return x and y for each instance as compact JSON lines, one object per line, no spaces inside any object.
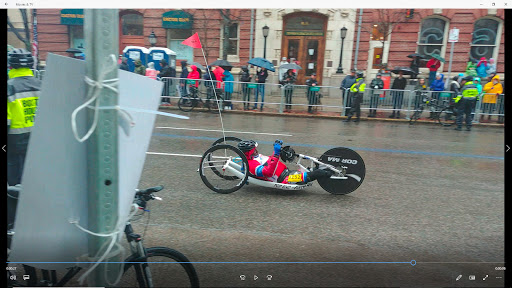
{"x":445,"y":113}
{"x":145,"y":267}
{"x":224,"y":168}
{"x":189,"y":101}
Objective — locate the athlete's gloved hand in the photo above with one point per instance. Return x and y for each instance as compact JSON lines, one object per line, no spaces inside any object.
{"x":277,"y":147}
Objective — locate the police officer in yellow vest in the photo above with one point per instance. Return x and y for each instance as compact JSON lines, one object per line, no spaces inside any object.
{"x":465,"y":102}
{"x":22,"y":97}
{"x":356,"y":91}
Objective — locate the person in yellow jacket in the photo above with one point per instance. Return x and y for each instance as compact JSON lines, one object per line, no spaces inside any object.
{"x":22,"y":97}
{"x":492,"y":90}
{"x":357,"y":91}
{"x":465,"y":102}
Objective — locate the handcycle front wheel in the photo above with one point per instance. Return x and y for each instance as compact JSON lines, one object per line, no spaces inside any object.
{"x":187,"y":103}
{"x":225,"y":140}
{"x":214,"y":174}
{"x":163,"y":267}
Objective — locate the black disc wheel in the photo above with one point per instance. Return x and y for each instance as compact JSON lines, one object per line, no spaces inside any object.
{"x":446,"y":117}
{"x":187,"y":103}
{"x":163,"y":267}
{"x":215,"y":173}
{"x":355,"y":171}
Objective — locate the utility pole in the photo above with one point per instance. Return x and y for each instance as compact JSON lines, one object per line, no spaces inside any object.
{"x":103,"y":179}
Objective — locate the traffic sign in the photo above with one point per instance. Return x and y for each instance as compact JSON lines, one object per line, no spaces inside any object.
{"x":454,"y":35}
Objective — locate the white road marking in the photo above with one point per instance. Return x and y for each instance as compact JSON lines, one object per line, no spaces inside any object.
{"x":174,"y":154}
{"x":239,"y":132}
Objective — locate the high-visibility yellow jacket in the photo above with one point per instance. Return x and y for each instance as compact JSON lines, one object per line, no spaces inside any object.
{"x":468,"y":91}
{"x":22,"y":97}
{"x":358,"y":86}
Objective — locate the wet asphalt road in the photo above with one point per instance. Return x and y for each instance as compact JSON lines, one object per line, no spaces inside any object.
{"x":431,"y":194}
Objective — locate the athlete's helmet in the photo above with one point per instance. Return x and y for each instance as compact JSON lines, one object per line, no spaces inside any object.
{"x":248,"y":147}
{"x":20,"y":58}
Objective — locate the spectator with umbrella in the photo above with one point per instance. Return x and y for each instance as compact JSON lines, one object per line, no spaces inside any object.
{"x":398,"y":94}
{"x":228,"y":88}
{"x":261,"y":77}
{"x":219,"y":75}
{"x":415,"y":63}
{"x":288,"y":80}
{"x":433,"y":64}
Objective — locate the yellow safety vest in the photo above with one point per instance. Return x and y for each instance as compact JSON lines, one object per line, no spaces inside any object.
{"x":22,"y":97}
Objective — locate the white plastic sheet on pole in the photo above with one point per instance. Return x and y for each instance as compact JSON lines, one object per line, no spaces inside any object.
{"x":55,"y":176}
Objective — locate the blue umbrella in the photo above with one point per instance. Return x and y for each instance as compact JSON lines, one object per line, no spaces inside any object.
{"x":263,"y":63}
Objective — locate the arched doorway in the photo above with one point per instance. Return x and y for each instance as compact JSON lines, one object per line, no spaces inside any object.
{"x":304,"y":40}
{"x":131,"y":26}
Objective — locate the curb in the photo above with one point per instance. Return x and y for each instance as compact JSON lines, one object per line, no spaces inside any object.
{"x":331,"y":117}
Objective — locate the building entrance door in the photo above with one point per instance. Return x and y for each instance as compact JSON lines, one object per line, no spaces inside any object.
{"x":309,"y":51}
{"x":304,"y":40}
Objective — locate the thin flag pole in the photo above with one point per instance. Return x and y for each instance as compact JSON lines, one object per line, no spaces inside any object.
{"x":194,"y":42}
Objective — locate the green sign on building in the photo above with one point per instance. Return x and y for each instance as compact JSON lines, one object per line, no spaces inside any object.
{"x":72,"y":16}
{"x":177,"y":19}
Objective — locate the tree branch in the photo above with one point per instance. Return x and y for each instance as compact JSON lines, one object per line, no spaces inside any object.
{"x":15,"y":31}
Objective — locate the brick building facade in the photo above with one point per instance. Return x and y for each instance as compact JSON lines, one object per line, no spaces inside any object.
{"x":425,"y":31}
{"x":62,"y":29}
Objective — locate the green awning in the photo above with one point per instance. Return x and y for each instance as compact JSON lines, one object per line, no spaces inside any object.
{"x":177,"y":19}
{"x":72,"y":16}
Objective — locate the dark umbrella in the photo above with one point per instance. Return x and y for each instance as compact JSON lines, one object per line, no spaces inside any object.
{"x":416,"y":55}
{"x":263,"y":63}
{"x":221,"y":63}
{"x":404,"y":70}
{"x":291,"y":66}
{"x":199,"y":66}
{"x":74,"y":51}
{"x":438,"y":57}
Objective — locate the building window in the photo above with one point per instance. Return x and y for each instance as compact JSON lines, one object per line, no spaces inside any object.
{"x":132,"y":24}
{"x":76,"y":37}
{"x":378,"y":34}
{"x":432,"y":36}
{"x":176,"y":36}
{"x":484,"y":39}
{"x":233,"y":37}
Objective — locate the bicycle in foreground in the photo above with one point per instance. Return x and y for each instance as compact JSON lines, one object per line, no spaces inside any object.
{"x":444,"y":113}
{"x":191,"y":99}
{"x":145,"y":267}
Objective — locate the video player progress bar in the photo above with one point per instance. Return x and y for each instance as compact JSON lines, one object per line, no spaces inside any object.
{"x":412,"y":262}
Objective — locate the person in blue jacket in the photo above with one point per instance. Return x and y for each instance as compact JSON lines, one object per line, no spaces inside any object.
{"x":437,"y":85}
{"x":228,"y":88}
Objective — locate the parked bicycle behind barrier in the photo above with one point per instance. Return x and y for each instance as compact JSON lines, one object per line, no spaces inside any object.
{"x":145,"y":267}
{"x":192,"y":99}
{"x":444,"y":113}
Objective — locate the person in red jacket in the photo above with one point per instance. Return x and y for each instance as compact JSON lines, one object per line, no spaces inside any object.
{"x":269,"y":168}
{"x":194,"y":75}
{"x":219,"y":74}
{"x":433,"y":64}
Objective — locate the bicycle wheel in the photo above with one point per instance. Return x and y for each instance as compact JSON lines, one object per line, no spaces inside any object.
{"x":187,"y":103}
{"x":218,"y":178}
{"x":446,"y":117}
{"x":213,"y":105}
{"x":163,"y":267}
{"x":416,"y":115}
{"x":228,"y":140}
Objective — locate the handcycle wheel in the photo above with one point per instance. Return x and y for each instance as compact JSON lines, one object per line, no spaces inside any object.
{"x":416,"y":115}
{"x":187,"y":103}
{"x":166,"y":267}
{"x":222,"y":180}
{"x":446,"y":117}
{"x":355,"y":172}
{"x":231,"y":141}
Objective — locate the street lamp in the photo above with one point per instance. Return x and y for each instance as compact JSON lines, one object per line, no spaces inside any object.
{"x":343,"y":33}
{"x":152,"y":39}
{"x":265,"y":34}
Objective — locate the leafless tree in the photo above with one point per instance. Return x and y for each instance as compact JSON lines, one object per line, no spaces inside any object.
{"x":26,"y":25}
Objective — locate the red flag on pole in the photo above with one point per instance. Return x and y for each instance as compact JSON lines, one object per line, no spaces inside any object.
{"x":193,"y":41}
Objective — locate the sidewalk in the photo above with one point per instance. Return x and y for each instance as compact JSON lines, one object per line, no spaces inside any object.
{"x":322,"y":112}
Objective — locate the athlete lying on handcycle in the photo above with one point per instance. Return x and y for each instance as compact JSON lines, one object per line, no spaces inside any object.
{"x":269,"y":168}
